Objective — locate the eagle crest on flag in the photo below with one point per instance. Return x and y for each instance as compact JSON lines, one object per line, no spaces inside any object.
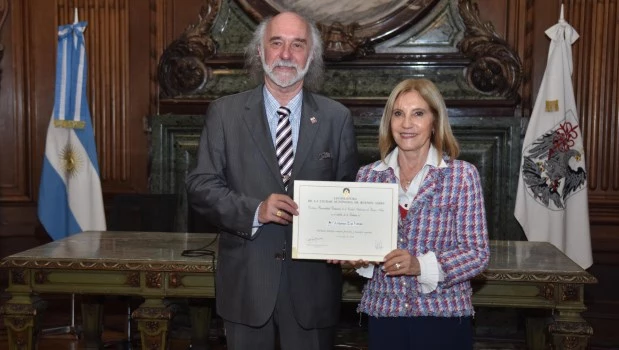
{"x":552,"y":168}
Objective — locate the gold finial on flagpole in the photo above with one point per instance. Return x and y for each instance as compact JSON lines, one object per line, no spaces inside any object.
{"x":75,"y":16}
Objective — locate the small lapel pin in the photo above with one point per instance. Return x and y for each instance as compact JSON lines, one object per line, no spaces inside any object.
{"x":313,"y":120}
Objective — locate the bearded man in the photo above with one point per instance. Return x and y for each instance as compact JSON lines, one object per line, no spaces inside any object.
{"x":253,"y":147}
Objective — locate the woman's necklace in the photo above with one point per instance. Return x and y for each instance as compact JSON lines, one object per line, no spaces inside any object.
{"x":405,"y":184}
{"x":412,"y":170}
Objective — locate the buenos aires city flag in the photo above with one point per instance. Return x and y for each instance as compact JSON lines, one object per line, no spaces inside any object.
{"x":552,"y":201}
{"x":70,"y":198}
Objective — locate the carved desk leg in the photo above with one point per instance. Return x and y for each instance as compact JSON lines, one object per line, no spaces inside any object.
{"x":200,"y":311}
{"x":21,"y":318}
{"x":536,"y":332}
{"x":153,"y":318}
{"x":569,"y":330}
{"x":92,"y":319}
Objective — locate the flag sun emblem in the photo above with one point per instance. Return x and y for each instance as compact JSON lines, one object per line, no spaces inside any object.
{"x":71,"y":160}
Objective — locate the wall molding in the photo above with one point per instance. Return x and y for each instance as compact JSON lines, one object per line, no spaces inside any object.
{"x":4,"y":10}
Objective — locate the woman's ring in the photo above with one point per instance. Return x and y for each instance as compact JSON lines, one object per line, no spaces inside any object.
{"x":397,"y":266}
{"x":279,"y":213}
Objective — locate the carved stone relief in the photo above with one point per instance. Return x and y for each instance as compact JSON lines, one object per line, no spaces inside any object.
{"x":349,"y":28}
{"x":192,"y":66}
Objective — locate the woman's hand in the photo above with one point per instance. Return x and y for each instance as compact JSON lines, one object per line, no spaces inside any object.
{"x":400,"y":262}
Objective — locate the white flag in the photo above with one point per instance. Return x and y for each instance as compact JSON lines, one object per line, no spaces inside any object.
{"x":551,"y":202}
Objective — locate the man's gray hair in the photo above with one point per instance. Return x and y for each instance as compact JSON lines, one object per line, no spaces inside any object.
{"x":314,"y":77}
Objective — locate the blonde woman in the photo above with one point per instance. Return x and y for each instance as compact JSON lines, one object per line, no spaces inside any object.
{"x":419,"y":296}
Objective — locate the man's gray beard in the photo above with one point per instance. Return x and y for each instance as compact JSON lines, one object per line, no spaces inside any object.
{"x":269,"y":71}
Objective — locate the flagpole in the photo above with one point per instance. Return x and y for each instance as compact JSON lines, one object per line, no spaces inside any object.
{"x":70,"y":329}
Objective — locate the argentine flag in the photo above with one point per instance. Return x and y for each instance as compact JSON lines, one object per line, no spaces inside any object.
{"x":70,"y":199}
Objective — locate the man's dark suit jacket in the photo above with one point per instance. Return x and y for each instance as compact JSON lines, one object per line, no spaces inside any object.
{"x":237,"y":169}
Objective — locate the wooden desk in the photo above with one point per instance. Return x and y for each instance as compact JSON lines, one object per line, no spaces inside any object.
{"x":146,"y":264}
{"x":520,"y":275}
{"x":530,"y":275}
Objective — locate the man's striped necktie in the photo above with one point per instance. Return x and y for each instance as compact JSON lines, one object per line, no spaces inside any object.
{"x":283,"y":144}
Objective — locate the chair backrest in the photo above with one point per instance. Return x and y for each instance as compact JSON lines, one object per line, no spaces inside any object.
{"x":143,"y":212}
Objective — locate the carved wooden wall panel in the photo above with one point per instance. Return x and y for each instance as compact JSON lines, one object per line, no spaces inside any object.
{"x":109,"y":87}
{"x":14,"y":184}
{"x":122,"y":61}
{"x":596,"y":82}
{"x":108,"y":63}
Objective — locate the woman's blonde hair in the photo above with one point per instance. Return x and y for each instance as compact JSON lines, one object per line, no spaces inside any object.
{"x":442,"y":136}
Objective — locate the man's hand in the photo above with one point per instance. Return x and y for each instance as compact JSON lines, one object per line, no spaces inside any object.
{"x":278,"y":208}
{"x":354,"y":263}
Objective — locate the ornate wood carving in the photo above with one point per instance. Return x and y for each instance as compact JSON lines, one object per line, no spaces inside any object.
{"x":181,"y":69}
{"x":19,"y":327}
{"x":143,"y":312}
{"x":112,"y":266}
{"x":354,"y":39}
{"x":541,"y":277}
{"x":571,"y":327}
{"x":18,"y":276}
{"x":495,"y":68}
{"x":340,"y":42}
{"x":153,"y":325}
{"x":40,"y":277}
{"x":153,"y":279}
{"x":571,"y":292}
{"x":21,"y":321}
{"x":133,"y":279}
{"x":547,"y":291}
{"x":4,"y":10}
{"x":176,"y":280}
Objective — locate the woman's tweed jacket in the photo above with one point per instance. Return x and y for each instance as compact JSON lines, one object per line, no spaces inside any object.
{"x":447,"y":217}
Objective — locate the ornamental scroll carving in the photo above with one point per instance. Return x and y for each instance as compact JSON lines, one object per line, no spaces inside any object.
{"x":193,"y":63}
{"x":340,"y":42}
{"x":349,"y":28}
{"x":495,"y":68}
{"x":181,"y":68}
{"x":4,"y":10}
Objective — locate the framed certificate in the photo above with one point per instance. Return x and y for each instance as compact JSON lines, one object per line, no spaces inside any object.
{"x":344,"y":220}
